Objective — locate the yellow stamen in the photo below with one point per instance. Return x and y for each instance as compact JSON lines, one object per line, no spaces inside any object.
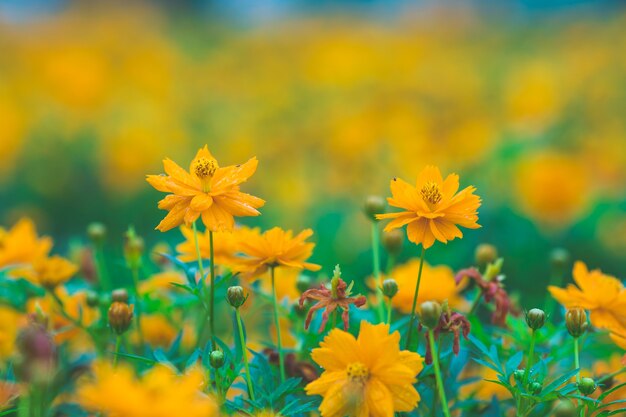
{"x":357,"y":372}
{"x":205,"y":168}
{"x":431,"y":193}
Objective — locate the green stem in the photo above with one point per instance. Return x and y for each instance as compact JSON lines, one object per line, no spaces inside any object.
{"x":118,"y":342}
{"x":103,"y":276}
{"x":435,"y":355}
{"x":377,"y":275}
{"x":531,"y":354}
{"x":281,"y":359}
{"x":389,"y":308}
{"x":244,"y":354}
{"x":74,"y":321}
{"x":212,"y":291}
{"x":23,"y":409}
{"x":201,"y":297}
{"x":475,"y":303}
{"x":576,"y":360}
{"x":415,"y":295}
{"x":135,"y":274}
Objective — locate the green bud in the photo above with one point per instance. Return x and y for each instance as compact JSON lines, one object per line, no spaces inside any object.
{"x":518,"y":374}
{"x":92,"y":299}
{"x":535,"y":388}
{"x":392,"y":241}
{"x":565,"y":408}
{"x":485,"y":254}
{"x":235,"y":296}
{"x":560,"y":258}
{"x":216,"y":359}
{"x":374,"y":204}
{"x":390,"y":288}
{"x":96,"y":232}
{"x":494,"y":269}
{"x":535,"y":318}
{"x":133,"y":248}
{"x":430,"y":314}
{"x":576,"y":321}
{"x":587,"y":386}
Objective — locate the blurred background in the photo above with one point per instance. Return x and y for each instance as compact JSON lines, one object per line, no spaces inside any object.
{"x":526,"y":100}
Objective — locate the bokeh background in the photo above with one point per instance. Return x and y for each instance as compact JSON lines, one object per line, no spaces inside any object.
{"x":526,"y":100}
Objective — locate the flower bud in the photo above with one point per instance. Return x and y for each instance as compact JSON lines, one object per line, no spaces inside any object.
{"x":518,"y":374}
{"x":120,"y":295}
{"x":374,"y":204}
{"x":96,"y":232}
{"x":485,"y":254}
{"x":565,"y":408}
{"x":560,"y":258}
{"x":133,"y":248}
{"x":535,"y":388}
{"x":576,"y":321}
{"x":235,"y":296}
{"x":216,"y":359}
{"x":392,"y":241}
{"x":390,"y":288}
{"x":120,"y":317}
{"x":535,"y":318}
{"x":430,"y":314}
{"x":587,"y":386}
{"x":36,"y":354}
{"x":92,"y":299}
{"x":303,"y":283}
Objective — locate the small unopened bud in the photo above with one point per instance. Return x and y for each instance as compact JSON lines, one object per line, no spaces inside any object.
{"x":120,"y":317}
{"x":120,"y":294}
{"x":565,"y":408}
{"x":96,"y":232}
{"x":560,"y":258}
{"x":133,"y":248}
{"x":216,"y":359}
{"x":393,"y":241}
{"x":518,"y":374}
{"x":303,"y":283}
{"x":235,"y":296}
{"x":576,"y":321}
{"x":493,"y":269}
{"x":485,"y":254}
{"x":535,"y":388}
{"x":92,"y":299}
{"x":374,"y":204}
{"x":430,"y":314}
{"x":535,"y":318}
{"x":390,"y":288}
{"x":587,"y":386}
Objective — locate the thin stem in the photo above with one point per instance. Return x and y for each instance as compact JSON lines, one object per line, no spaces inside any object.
{"x":389,"y":308}
{"x":103,"y":276}
{"x":135,"y":274}
{"x":417,"y":289}
{"x":198,"y":255}
{"x":609,"y":376}
{"x":576,"y":360}
{"x":218,"y":384}
{"x":74,"y":321}
{"x":281,"y":360}
{"x":244,"y":354}
{"x":23,"y":409}
{"x":212,"y":291}
{"x":531,"y":354}
{"x":476,"y":302}
{"x":118,"y":342}
{"x":435,"y":355}
{"x":377,"y":275}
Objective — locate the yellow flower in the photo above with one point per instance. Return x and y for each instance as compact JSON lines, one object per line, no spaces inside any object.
{"x":206,"y":190}
{"x":603,"y":295}
{"x":433,"y":208}
{"x":275,"y":247}
{"x":366,"y":376}
{"x":117,"y":392}
{"x":161,"y":282}
{"x":225,"y":245}
{"x":49,"y":272}
{"x":21,"y":245}
{"x":10,"y":322}
{"x":482,"y":389}
{"x":286,"y":280}
{"x":157,"y":331}
{"x":437,"y":284}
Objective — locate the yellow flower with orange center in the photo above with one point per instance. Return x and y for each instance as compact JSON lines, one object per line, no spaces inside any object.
{"x":49,"y":272}
{"x":206,"y":191}
{"x":365,"y":376}
{"x":437,"y":284}
{"x":21,"y":244}
{"x":433,"y":208}
{"x":118,"y":392}
{"x":275,"y":247}
{"x":603,"y":295}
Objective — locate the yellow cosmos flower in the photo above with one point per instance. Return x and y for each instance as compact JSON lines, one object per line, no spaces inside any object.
{"x":10,"y":322}
{"x":433,"y":208}
{"x":366,"y":376}
{"x":437,"y":284}
{"x":49,"y":272}
{"x":603,"y":295}
{"x":117,"y":392}
{"x":206,"y":190}
{"x":21,"y":244}
{"x":275,"y":247}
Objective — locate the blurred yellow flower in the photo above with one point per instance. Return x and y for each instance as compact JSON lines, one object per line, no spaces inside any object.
{"x":365,"y":376}
{"x":433,"y":208}
{"x":49,"y":272}
{"x":160,"y":392}
{"x":225,"y":245}
{"x":206,"y":190}
{"x":10,"y":322}
{"x":21,"y":244}
{"x":157,"y":331}
{"x":483,"y":389}
{"x":161,"y":282}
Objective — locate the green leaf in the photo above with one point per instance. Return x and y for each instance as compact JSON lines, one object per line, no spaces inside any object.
{"x":558,"y":382}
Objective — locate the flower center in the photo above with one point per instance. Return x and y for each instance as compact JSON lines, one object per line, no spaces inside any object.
{"x":357,"y":372}
{"x":430,"y":193}
{"x":205,"y":168}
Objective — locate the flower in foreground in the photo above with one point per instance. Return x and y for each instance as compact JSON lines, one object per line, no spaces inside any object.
{"x":603,"y":295}
{"x":206,"y":191}
{"x":117,"y":392}
{"x":275,"y":247}
{"x":365,"y":376}
{"x":433,"y":208}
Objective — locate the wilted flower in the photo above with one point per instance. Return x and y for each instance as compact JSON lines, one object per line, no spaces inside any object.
{"x":449,"y":322}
